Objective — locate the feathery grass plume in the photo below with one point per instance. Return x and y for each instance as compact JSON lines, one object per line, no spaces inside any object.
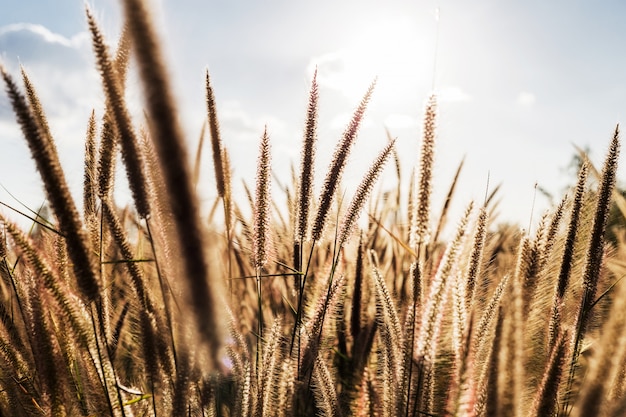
{"x":596,"y":246}
{"x":198,"y":158}
{"x":545,"y":402}
{"x":228,"y":198}
{"x":446,"y":205}
{"x":335,"y":170}
{"x":605,"y":362}
{"x":61,"y":202}
{"x":36,"y":108}
{"x":398,"y":169}
{"x":307,"y":162}
{"x":362,"y":193}
{"x":216,"y":140}
{"x":50,"y":375}
{"x":357,"y":292}
{"x":413,"y":312}
{"x":3,"y":242}
{"x":261,"y":219}
{"x":412,"y":206}
{"x":324,"y":390}
{"x":285,"y":390}
{"x":73,"y":310}
{"x":462,"y":389}
{"x":138,"y":280}
{"x":489,"y":314}
{"x":392,"y":346}
{"x":262,"y":202}
{"x":595,"y":252}
{"x":89,"y":178}
{"x":568,"y":253}
{"x":116,"y":104}
{"x":270,"y":371}
{"x":511,"y":376}
{"x":420,"y":227}
{"x":476,"y":258}
{"x":459,"y":315}
{"x":387,"y":360}
{"x":167,"y":136}
{"x":433,"y":310}
{"x":314,"y":326}
{"x":489,"y":400}
{"x":106,"y":159}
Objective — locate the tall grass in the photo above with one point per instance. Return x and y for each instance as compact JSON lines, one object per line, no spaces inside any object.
{"x":123,"y":311}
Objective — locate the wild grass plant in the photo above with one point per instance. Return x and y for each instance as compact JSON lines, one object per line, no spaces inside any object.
{"x":152,"y":310}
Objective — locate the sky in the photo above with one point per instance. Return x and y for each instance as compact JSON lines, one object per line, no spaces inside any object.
{"x":519,"y":84}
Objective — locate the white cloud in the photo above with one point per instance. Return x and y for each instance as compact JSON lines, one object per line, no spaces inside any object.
{"x":451,"y":94}
{"x":45,"y":34}
{"x":526,"y":99}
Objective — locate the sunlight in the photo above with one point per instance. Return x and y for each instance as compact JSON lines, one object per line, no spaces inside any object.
{"x":397,"y":52}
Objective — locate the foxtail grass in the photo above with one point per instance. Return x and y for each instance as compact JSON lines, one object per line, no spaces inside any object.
{"x":46,"y":158}
{"x":169,"y":144}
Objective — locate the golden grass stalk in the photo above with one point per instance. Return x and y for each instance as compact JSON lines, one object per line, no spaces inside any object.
{"x":357,"y":292}
{"x":474,"y":267}
{"x":595,"y":252}
{"x":489,"y":315}
{"x":596,"y":246}
{"x":314,"y":326}
{"x":216,"y":140}
{"x":545,"y":402}
{"x":73,"y":309}
{"x":89,"y":178}
{"x":335,"y":170}
{"x":116,"y":104}
{"x":433,"y":310}
{"x":443,"y":217}
{"x":167,"y":136}
{"x":106,"y":160}
{"x":489,"y":401}
{"x":388,"y":367}
{"x":261,"y":220}
{"x":307,"y":163}
{"x":37,"y":108}
{"x":459,"y":315}
{"x":262,"y":203}
{"x":324,"y":390}
{"x":512,"y":373}
{"x":391,"y":344}
{"x":605,"y":362}
{"x":420,"y":227}
{"x":462,"y":390}
{"x":270,"y":371}
{"x":568,"y":254}
{"x":57,"y":191}
{"x":108,"y":135}
{"x":362,"y":193}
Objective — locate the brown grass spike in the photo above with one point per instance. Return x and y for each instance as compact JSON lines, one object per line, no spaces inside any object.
{"x":62,"y":204}
{"x":167,"y":136}
{"x":116,"y":104}
{"x":333,"y":175}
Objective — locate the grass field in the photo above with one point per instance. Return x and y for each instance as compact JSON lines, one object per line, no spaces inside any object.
{"x":295,"y":310}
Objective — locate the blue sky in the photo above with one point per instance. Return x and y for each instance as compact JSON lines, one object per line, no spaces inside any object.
{"x":519,"y":83}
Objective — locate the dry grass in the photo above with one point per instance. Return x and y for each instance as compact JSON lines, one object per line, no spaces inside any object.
{"x":150,"y":311}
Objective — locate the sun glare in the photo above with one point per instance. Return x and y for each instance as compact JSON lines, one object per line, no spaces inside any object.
{"x":396,"y":52}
